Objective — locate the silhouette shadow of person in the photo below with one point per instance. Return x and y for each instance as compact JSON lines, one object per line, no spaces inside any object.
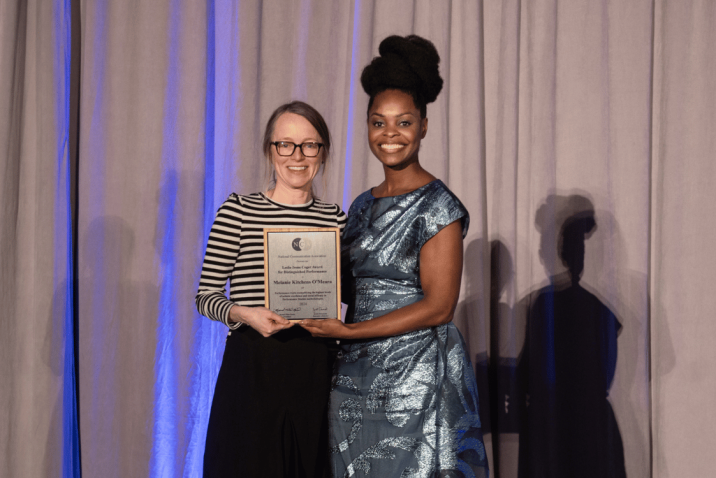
{"x":568,"y":361}
{"x":504,"y":345}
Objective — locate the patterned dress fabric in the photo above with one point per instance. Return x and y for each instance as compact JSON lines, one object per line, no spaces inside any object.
{"x":403,"y":406}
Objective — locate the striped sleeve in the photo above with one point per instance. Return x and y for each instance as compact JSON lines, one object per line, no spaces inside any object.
{"x":222,"y":250}
{"x":341,"y":218}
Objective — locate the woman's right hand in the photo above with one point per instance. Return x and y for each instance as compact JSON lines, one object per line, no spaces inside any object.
{"x":260,"y":319}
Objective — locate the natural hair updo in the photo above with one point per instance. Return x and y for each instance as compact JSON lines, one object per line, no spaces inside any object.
{"x":409,"y":64}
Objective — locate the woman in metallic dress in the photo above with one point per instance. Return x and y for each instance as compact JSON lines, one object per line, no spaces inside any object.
{"x":404,"y":398}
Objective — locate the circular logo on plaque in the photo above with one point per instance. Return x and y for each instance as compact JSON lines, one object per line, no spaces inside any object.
{"x":299,"y":244}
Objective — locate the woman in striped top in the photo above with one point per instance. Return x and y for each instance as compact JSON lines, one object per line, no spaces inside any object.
{"x":268,"y":416}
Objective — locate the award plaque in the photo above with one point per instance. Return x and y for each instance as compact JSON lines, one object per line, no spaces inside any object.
{"x":302,"y":277}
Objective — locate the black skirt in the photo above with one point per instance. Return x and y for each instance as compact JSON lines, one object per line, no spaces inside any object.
{"x":269,"y":413}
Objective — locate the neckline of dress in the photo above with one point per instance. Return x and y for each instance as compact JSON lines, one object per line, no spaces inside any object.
{"x":370,"y":191}
{"x":292,"y":206}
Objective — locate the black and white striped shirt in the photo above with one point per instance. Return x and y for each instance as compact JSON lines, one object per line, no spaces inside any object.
{"x":235,"y":250}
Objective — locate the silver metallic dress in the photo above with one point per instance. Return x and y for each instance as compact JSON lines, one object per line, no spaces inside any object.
{"x":403,"y":406}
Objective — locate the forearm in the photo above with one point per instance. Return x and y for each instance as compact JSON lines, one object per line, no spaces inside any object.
{"x":419,"y":315}
{"x":239,"y":314}
{"x":260,"y":319}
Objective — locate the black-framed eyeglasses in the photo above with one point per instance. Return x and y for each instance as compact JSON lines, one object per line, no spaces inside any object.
{"x":286,"y":148}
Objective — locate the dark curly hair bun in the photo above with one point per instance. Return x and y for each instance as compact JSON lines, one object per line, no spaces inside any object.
{"x":408,"y":64}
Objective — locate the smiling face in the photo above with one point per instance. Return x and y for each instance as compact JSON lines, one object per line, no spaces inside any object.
{"x":395,"y":129}
{"x":295,"y":172}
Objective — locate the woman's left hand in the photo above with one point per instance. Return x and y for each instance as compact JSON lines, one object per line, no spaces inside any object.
{"x":332,"y":328}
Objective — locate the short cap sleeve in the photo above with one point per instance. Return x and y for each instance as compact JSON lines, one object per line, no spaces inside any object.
{"x":442,"y":208}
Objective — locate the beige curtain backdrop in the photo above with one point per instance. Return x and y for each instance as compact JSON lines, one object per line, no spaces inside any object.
{"x":38,"y":426}
{"x":549,"y":108}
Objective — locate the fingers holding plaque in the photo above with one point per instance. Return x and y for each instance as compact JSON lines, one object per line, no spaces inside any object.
{"x":302,"y":272}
